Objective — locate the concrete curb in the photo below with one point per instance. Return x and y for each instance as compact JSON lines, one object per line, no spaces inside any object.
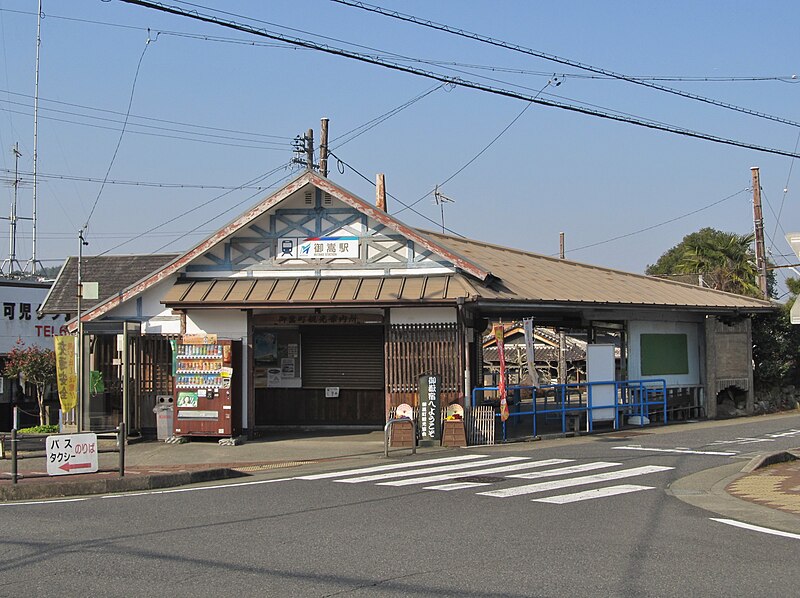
{"x":706,"y":490}
{"x":38,"y":491}
{"x":770,"y":459}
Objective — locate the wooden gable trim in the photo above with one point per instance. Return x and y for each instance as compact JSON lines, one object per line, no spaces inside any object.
{"x":259,"y":209}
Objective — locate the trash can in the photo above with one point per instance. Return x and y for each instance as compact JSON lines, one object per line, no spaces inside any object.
{"x":164,"y":416}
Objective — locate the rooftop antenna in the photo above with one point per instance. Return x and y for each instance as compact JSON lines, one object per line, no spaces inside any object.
{"x":33,"y":262}
{"x":440,"y":200}
{"x":11,"y":262}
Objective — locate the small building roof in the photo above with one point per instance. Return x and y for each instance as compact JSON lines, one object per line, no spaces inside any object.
{"x":113,"y":273}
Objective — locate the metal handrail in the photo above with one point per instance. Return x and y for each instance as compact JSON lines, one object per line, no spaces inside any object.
{"x":388,"y":427}
{"x":622,"y":389}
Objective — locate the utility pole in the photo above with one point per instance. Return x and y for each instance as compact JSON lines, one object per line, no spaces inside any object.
{"x":758,"y":223}
{"x":562,"y":336}
{"x":323,"y":147}
{"x":310,"y":150}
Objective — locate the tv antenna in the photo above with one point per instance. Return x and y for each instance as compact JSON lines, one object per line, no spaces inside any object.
{"x":441,"y":199}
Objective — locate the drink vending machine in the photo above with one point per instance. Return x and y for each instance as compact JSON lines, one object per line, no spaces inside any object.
{"x":207,"y":390}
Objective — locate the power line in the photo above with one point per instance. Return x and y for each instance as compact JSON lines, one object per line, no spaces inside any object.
{"x":86,"y":179}
{"x":220,"y":39}
{"x":245,"y":185}
{"x":121,"y":134}
{"x":245,"y":200}
{"x":139,"y":117}
{"x":665,"y":222}
{"x":162,"y":135}
{"x":401,"y":202}
{"x":456,"y":81}
{"x":558,"y":59}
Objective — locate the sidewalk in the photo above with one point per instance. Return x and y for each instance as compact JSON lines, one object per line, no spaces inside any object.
{"x":153,"y":464}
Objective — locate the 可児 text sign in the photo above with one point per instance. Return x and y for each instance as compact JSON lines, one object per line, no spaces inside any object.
{"x":71,"y":453}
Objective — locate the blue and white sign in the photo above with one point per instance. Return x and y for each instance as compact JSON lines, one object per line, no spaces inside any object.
{"x":318,"y":248}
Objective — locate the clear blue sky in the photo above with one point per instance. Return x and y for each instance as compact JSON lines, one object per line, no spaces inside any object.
{"x":552,"y":171}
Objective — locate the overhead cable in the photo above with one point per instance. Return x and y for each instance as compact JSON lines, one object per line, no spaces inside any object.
{"x":457,"y":81}
{"x":553,"y":58}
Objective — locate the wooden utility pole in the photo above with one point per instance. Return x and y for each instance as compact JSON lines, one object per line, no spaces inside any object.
{"x":562,"y":336}
{"x":310,"y":149}
{"x":323,"y":147}
{"x":758,"y":223}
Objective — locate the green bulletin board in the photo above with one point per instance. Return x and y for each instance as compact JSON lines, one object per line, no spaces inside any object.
{"x":664,"y":354}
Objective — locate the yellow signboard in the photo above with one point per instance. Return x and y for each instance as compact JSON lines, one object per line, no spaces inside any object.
{"x":66,"y":372}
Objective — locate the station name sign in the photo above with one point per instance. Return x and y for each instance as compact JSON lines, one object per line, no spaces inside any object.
{"x":318,"y":248}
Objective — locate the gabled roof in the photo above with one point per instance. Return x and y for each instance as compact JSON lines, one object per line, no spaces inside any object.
{"x":112,"y":273}
{"x":530,"y":277}
{"x":308,"y":177}
{"x":484,"y":272}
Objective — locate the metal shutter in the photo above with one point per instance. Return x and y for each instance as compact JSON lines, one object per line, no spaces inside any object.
{"x":343,"y":356}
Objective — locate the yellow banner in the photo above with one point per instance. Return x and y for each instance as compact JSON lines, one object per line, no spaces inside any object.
{"x":66,"y":372}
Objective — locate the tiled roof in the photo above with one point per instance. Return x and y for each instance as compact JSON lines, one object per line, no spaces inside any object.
{"x":112,"y":273}
{"x":326,"y":290}
{"x":531,"y":277}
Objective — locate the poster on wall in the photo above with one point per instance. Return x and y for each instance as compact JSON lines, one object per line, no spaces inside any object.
{"x":276,"y":357}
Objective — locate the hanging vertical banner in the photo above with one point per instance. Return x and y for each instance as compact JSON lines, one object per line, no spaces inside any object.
{"x":66,"y":372}
{"x":499,"y":337}
{"x":527,"y":325}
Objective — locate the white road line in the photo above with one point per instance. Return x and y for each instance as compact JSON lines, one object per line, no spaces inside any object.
{"x":41,"y":502}
{"x":675,"y":450}
{"x":440,"y":469}
{"x":579,"y":481}
{"x":456,"y":486}
{"x":563,"y":499}
{"x":784,"y":434}
{"x":334,"y":474}
{"x":532,"y":475}
{"x":458,"y":474}
{"x":757,"y":528}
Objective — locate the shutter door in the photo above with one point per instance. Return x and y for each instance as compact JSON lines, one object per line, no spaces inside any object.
{"x":343,"y":356}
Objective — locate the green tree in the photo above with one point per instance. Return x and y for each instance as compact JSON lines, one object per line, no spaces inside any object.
{"x":724,"y":260}
{"x":37,"y":367}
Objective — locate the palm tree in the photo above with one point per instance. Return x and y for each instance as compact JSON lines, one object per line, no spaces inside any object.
{"x":725,"y":261}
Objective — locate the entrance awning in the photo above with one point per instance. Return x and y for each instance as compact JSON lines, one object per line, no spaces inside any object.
{"x":255,"y":292}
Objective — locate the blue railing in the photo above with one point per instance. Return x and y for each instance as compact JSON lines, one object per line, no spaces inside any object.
{"x":631,"y":397}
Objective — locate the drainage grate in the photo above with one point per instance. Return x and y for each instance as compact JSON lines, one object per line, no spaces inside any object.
{"x":268,"y":466}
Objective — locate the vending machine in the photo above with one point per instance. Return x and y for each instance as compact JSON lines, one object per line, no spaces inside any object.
{"x":207,"y":390}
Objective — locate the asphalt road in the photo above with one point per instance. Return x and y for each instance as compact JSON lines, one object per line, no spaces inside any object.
{"x":556,"y":532}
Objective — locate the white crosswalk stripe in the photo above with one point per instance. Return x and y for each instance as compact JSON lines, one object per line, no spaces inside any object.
{"x":457,"y":474}
{"x":563,"y":499}
{"x":532,"y":475}
{"x":430,"y":470}
{"x":466,"y":472}
{"x":579,"y":481}
{"x":394,"y":466}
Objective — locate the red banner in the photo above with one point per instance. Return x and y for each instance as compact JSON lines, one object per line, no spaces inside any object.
{"x":499,"y":336}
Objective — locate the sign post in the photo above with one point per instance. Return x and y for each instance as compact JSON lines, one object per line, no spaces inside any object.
{"x":71,"y":453}
{"x":430,"y":416}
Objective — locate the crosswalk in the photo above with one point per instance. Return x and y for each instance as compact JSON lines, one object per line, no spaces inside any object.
{"x":506,"y":475}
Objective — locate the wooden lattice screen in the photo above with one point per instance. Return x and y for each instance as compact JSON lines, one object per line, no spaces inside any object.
{"x":416,"y":349}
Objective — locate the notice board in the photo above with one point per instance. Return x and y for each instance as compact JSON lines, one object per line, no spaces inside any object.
{"x":600,"y":367}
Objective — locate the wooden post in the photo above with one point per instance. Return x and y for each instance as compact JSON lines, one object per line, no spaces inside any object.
{"x":562,"y":336}
{"x":758,"y":222}
{"x":323,"y":147}
{"x":310,"y":149}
